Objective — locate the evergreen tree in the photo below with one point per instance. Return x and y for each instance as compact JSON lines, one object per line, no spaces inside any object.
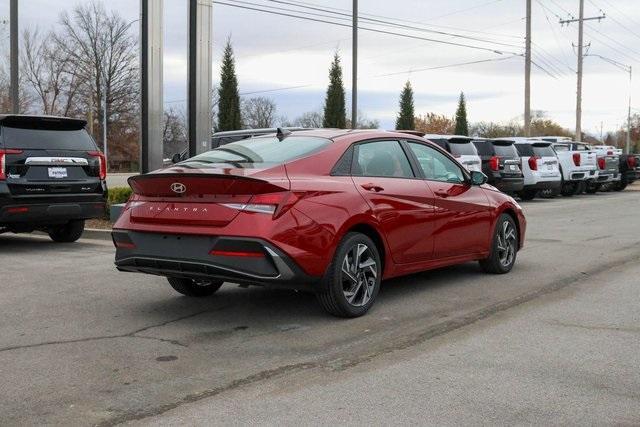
{"x":229,"y":117}
{"x":406,"y":118}
{"x":335,"y":115}
{"x":462,"y":126}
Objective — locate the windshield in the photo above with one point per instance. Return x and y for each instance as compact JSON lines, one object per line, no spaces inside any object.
{"x":40,"y":139}
{"x":262,"y":150}
{"x":543,"y":151}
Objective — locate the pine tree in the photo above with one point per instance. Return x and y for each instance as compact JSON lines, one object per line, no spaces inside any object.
{"x":335,"y":115}
{"x":229,"y":117}
{"x":462,"y":126}
{"x":406,"y":118}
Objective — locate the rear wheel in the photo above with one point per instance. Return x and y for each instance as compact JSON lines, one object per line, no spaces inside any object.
{"x":195,"y":288}
{"x":528,"y":194}
{"x":353,"y":279}
{"x":504,"y":248}
{"x":67,"y":233}
{"x":620,"y":185}
{"x":568,"y":188}
{"x":593,"y":188}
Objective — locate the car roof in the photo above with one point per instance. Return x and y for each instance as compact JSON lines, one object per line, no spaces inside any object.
{"x":448,"y":137}
{"x":50,"y":122}
{"x":260,"y":131}
{"x":521,"y":139}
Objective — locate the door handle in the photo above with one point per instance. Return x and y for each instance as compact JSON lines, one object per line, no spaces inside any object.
{"x":441,"y":193}
{"x":372,"y":187}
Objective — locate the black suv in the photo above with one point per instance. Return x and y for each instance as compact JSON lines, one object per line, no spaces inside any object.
{"x":52,"y":176}
{"x":501,"y":164}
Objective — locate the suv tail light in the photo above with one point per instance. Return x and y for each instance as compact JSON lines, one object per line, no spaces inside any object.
{"x":632,"y":162}
{"x":533,"y":163}
{"x":601,"y":163}
{"x":494,"y":163}
{"x":609,"y":153}
{"x":3,"y":161}
{"x":103,"y":162}
{"x":576,"y":159}
{"x":275,"y":204}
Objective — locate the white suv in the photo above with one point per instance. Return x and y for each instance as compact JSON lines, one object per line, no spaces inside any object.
{"x":460,"y":147}
{"x":540,"y":167}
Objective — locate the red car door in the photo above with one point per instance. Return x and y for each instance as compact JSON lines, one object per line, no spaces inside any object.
{"x":462,"y":212}
{"x":400,"y":201}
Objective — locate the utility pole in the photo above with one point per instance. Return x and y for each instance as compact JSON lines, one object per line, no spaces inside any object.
{"x":580,"y":22}
{"x":527,"y":75}
{"x":13,"y":35}
{"x":354,"y":77}
{"x":104,"y":126}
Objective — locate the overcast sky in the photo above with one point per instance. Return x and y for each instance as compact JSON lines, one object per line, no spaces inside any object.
{"x":275,"y":52}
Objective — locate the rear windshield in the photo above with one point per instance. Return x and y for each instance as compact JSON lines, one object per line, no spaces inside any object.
{"x":484,"y":147}
{"x":505,"y":150}
{"x":525,"y":150}
{"x":442,"y":143}
{"x":463,"y":149}
{"x":262,"y":150}
{"x":561,"y":147}
{"x":543,"y":151}
{"x":40,"y":139}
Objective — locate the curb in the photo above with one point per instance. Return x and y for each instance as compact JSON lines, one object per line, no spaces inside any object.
{"x":96,"y":234}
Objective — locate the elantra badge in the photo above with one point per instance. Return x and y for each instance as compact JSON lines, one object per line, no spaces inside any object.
{"x":178,"y":187}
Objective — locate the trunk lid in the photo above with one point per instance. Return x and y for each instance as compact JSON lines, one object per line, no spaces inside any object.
{"x":201,"y":196}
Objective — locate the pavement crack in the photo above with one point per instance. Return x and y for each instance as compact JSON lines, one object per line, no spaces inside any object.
{"x":133,"y":334}
{"x":631,"y":329}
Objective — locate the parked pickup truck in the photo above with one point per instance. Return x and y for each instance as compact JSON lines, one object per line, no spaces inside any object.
{"x":608,"y":159}
{"x":578,"y":166}
{"x":629,"y":165}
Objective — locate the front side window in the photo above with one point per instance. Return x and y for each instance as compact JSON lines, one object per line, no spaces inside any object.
{"x":381,"y":158}
{"x":435,"y":165}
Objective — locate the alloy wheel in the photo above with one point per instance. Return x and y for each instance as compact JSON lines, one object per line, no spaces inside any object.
{"x":359,"y":275}
{"x":506,"y":243}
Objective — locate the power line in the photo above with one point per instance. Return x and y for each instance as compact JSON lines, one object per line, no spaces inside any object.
{"x":441,"y":67}
{"x":374,"y":30}
{"x":175,"y":101}
{"x":616,"y":21}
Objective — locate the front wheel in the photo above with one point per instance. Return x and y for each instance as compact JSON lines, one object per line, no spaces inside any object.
{"x":504,"y":247}
{"x":353,"y":278}
{"x":568,"y":188}
{"x":194,"y":288}
{"x":67,"y":233}
{"x":593,"y":188}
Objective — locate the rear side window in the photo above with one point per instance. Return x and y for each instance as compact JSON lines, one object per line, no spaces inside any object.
{"x":262,"y":150}
{"x":543,"y":151}
{"x":45,"y":139}
{"x":381,"y":158}
{"x":506,"y":150}
{"x":525,"y":150}
{"x":485,"y":148}
{"x":463,"y":149}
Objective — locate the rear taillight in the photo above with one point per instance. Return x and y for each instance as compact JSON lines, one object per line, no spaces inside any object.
{"x":274,"y":204}
{"x":3,"y":161}
{"x":602,"y":163}
{"x":103,"y":162}
{"x":533,"y":163}
{"x":494,"y":163}
{"x":576,"y":159}
{"x":238,"y":254}
{"x":632,"y":162}
{"x":609,"y":153}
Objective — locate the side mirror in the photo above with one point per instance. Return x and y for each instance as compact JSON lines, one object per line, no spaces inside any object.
{"x":177,"y":158}
{"x":478,"y":178}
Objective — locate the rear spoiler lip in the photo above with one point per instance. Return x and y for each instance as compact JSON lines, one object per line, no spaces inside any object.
{"x":42,"y":122}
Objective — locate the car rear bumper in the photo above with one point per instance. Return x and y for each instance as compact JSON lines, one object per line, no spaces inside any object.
{"x":50,"y":213}
{"x":545,"y":185}
{"x":508,"y":185}
{"x":243,"y":260}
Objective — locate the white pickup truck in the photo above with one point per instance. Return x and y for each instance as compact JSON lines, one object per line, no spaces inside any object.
{"x":578,"y":165}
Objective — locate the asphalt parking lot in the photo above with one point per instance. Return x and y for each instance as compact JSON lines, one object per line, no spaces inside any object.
{"x":554,"y":342}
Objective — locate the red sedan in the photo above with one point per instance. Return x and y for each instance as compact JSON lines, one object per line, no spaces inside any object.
{"x":329,"y":211}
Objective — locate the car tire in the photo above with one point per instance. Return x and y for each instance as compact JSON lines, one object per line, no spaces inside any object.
{"x":194,"y":288}
{"x":593,"y":188}
{"x":67,"y":233}
{"x":528,"y":194}
{"x":351,"y":287}
{"x":620,"y":185}
{"x":504,"y":247}
{"x":568,"y":189}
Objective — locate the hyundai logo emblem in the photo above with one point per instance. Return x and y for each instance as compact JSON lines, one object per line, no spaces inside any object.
{"x":178,"y":187}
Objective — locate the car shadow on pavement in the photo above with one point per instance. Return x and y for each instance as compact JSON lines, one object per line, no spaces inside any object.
{"x":14,"y":244}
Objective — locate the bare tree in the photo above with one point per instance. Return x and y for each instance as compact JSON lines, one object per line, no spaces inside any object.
{"x":49,"y":74}
{"x":310,"y":119}
{"x":174,"y":132}
{"x":102,"y":49}
{"x":259,"y":112}
{"x":363,"y":122}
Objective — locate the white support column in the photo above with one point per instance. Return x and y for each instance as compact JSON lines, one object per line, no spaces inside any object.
{"x":199,"y":85}
{"x":151,"y":29}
